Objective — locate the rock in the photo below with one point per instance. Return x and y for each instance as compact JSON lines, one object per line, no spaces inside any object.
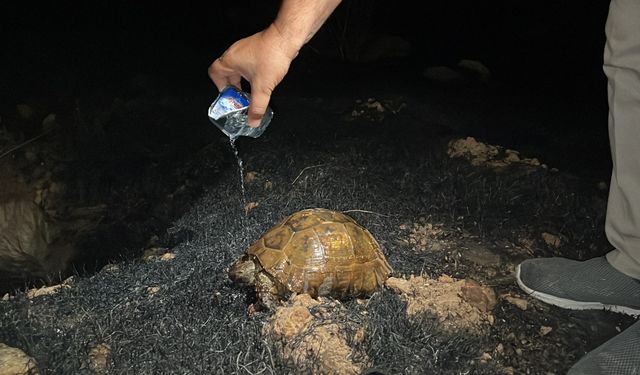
{"x":545,"y":330}
{"x":168,"y":256}
{"x":34,"y":244}
{"x":443,"y":74}
{"x":477,"y":70}
{"x":481,"y":297}
{"x":518,"y":302}
{"x":14,"y":361}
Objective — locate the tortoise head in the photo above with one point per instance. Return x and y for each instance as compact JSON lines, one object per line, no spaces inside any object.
{"x":243,"y":270}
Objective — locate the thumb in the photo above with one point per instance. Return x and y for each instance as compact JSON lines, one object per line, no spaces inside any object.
{"x":258,"y":106}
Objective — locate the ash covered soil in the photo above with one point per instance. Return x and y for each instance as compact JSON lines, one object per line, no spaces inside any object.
{"x":457,"y":183}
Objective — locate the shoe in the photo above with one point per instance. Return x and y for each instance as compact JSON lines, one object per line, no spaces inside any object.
{"x":580,"y":285}
{"x":618,"y":356}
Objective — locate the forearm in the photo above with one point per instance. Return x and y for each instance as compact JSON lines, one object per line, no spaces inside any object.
{"x":299,"y":20}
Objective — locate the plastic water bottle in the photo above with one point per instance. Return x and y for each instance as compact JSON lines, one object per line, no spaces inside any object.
{"x":229,"y":113}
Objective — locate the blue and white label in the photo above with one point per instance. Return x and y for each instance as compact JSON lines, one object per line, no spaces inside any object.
{"x":230,"y":100}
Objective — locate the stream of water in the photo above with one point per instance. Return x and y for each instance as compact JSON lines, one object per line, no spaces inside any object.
{"x":241,"y":169}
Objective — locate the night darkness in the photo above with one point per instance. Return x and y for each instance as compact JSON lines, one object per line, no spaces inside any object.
{"x":551,"y":52}
{"x":131,"y":168}
{"x":557,"y":45}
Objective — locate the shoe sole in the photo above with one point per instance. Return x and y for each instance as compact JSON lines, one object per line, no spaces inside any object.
{"x":571,"y":304}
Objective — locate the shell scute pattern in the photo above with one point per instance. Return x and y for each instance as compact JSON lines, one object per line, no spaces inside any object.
{"x":320,"y":252}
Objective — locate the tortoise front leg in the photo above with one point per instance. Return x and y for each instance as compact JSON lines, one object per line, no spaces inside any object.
{"x":267,"y":290}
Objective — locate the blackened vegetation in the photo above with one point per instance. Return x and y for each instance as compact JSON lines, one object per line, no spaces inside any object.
{"x":383,"y":174}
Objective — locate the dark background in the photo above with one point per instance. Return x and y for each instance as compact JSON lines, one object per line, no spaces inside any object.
{"x":546,"y":54}
{"x":94,"y":43}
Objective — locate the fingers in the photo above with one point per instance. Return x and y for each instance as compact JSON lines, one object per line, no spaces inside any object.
{"x":223,"y":76}
{"x":257,"y":108}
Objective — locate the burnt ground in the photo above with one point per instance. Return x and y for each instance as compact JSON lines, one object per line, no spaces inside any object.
{"x":167,"y":179}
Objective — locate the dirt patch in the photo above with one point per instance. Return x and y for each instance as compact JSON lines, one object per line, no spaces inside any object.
{"x":422,"y":235}
{"x":458,"y":304}
{"x":312,"y":336}
{"x":375,"y":110}
{"x":482,"y":154}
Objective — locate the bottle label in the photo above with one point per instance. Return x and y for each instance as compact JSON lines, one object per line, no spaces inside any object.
{"x":229,"y":101}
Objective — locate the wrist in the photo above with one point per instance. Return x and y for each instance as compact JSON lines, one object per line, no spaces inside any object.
{"x":287,"y":40}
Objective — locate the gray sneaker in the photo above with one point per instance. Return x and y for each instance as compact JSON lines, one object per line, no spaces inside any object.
{"x":618,"y":356}
{"x":580,"y":285}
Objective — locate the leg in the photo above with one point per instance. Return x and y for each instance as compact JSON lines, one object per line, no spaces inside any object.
{"x":611,"y":282}
{"x":622,"y":67}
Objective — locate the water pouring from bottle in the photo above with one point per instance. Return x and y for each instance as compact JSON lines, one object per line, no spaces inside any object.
{"x":229,"y":113}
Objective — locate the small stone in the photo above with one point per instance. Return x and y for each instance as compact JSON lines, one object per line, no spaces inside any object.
{"x":168,"y":256}
{"x":520,"y":303}
{"x":250,"y":206}
{"x":545,"y":330}
{"x":491,"y":319}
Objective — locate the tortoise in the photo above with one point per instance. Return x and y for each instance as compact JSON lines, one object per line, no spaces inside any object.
{"x":316,"y":251}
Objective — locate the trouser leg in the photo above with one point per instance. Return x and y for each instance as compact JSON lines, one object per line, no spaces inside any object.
{"x":622,"y":68}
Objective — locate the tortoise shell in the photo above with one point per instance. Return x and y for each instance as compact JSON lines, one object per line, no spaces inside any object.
{"x":320,"y":252}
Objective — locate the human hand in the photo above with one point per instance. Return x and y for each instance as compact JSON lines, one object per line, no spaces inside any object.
{"x":262,"y":59}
